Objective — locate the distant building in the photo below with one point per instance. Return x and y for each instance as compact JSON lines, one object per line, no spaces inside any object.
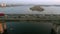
{"x":3,"y":5}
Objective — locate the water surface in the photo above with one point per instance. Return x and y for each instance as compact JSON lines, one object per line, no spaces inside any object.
{"x":26,"y":10}
{"x":28,"y":28}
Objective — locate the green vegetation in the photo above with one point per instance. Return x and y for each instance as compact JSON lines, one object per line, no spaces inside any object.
{"x":36,"y":8}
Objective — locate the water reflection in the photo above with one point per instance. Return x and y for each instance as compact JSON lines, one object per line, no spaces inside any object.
{"x":25,"y":27}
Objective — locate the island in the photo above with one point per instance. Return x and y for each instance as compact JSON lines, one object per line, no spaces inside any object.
{"x":37,"y":8}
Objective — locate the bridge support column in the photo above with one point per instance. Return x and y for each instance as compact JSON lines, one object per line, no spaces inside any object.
{"x":1,"y":28}
{"x":55,"y":27}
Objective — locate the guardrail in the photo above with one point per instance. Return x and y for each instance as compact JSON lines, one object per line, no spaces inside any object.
{"x":30,"y":17}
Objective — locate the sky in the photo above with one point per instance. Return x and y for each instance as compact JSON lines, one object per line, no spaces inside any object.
{"x":31,"y":1}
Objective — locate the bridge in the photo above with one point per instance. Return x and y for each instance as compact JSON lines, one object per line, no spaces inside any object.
{"x":32,"y":17}
{"x":41,"y":18}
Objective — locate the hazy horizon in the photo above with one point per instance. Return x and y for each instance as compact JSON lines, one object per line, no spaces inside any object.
{"x":45,"y":2}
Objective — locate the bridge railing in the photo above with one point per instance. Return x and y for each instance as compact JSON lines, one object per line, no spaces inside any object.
{"x":30,"y":17}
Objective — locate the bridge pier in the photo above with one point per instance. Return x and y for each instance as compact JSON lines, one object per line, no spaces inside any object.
{"x":2,"y":27}
{"x":55,"y":27}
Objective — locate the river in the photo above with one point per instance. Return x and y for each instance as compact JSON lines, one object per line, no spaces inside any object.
{"x":26,"y":10}
{"x":28,"y":28}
